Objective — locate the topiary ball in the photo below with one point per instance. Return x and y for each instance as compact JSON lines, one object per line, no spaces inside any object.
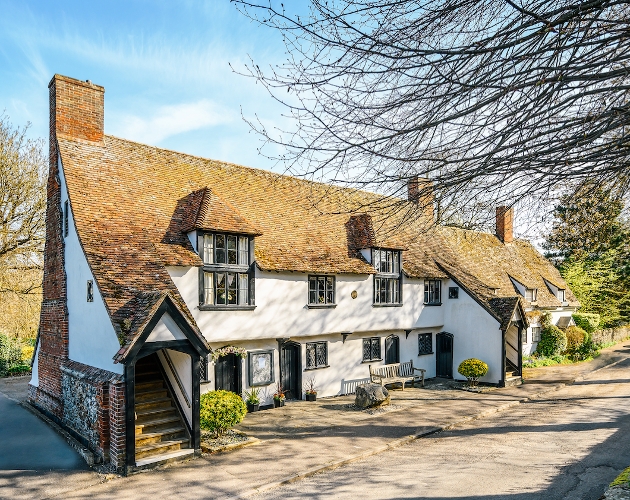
{"x":472,"y":368}
{"x":220,"y":410}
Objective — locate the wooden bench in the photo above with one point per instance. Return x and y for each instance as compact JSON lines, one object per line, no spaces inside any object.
{"x":397,"y":373}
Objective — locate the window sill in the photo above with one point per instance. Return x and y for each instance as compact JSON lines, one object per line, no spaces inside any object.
{"x":321,"y":306}
{"x":432,"y":304}
{"x":371,"y":360}
{"x":226,"y":268}
{"x":316,"y":368}
{"x":226,"y":308}
{"x":387,"y":305}
{"x":425,"y":353}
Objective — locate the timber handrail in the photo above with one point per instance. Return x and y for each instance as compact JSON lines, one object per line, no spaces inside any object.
{"x":169,"y":362}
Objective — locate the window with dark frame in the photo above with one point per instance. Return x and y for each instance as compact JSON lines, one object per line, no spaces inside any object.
{"x":316,"y":355}
{"x":432,"y":292}
{"x":536,"y":331}
{"x":388,"y":278}
{"x":260,"y":367}
{"x":65,"y":219}
{"x":453,"y":292}
{"x":226,"y":270}
{"x":425,"y":344}
{"x":321,"y":290}
{"x":372,"y":349}
{"x":90,"y":291}
{"x":203,"y":369}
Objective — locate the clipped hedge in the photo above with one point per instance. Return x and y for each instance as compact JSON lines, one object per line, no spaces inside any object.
{"x":553,"y":341}
{"x":221,"y":410}
{"x":588,"y":322}
{"x":576,"y":336}
{"x":473,"y":369}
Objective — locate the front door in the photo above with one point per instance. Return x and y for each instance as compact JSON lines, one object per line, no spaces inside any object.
{"x":290,"y":362}
{"x":444,"y":355}
{"x":227,"y":373}
{"x":392,"y":350}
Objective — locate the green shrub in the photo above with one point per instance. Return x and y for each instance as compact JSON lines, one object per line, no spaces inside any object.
{"x":221,"y":410}
{"x":27,"y":353}
{"x":575,"y":338}
{"x":588,"y":322}
{"x":553,"y":341}
{"x":19,"y":369}
{"x":473,"y":369}
{"x":10,"y":354}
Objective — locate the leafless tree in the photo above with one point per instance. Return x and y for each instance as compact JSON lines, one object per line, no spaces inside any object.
{"x":494,"y":101}
{"x":22,"y":221}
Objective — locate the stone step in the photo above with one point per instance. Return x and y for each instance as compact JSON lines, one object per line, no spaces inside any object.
{"x":150,"y":395}
{"x":153,"y":404}
{"x":160,"y":448}
{"x":156,"y":424}
{"x":511,"y":381}
{"x":177,"y":432}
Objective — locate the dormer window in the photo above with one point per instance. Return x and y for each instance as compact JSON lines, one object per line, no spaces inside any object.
{"x":388,"y":278}
{"x":561,"y":295}
{"x":531,"y":294}
{"x":227,"y":276}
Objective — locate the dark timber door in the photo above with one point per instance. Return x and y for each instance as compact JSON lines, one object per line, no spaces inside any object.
{"x":444,"y":355}
{"x":227,"y":373}
{"x":290,"y":369}
{"x":392,"y":350}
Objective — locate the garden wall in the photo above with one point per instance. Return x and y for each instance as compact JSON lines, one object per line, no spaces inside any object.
{"x":611,"y":335}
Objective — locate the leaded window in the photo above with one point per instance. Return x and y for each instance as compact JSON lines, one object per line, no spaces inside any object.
{"x":226,"y":274}
{"x":372,"y":349}
{"x":316,"y":354}
{"x":388,"y":278}
{"x":321,"y":290}
{"x":425,"y":343}
{"x":432,"y":292}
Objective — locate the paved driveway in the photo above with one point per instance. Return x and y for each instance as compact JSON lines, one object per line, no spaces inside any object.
{"x":27,"y":443}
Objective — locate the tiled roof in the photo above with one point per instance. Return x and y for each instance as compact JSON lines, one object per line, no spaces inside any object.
{"x":133,"y":205}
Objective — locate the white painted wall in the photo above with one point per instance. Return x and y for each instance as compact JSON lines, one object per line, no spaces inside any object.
{"x":183,"y":366}
{"x":282,"y":311}
{"x":35,"y":370}
{"x":166,"y":330}
{"x":476,"y":333}
{"x":92,"y":339}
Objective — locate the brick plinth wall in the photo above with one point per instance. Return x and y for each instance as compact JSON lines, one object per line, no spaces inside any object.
{"x":117,"y":439}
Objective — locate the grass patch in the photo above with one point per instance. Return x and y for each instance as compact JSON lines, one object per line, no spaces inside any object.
{"x":537,"y":362}
{"x":623,"y":479}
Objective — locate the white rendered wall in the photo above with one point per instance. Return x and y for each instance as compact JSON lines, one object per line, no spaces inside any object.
{"x":35,"y":370}
{"x":282,"y":311}
{"x":92,"y":339}
{"x":476,"y":334}
{"x":182,"y":364}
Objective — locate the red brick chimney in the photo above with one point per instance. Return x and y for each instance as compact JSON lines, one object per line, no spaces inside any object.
{"x":76,"y":108}
{"x":420,"y":192}
{"x":505,"y":224}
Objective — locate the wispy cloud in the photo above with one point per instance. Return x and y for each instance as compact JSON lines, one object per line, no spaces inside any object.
{"x":168,"y":121}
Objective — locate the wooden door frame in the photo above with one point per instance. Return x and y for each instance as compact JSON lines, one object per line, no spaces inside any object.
{"x":239,"y":384}
{"x":282,"y":345}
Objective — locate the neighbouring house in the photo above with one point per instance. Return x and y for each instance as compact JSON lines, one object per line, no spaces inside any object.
{"x":168,"y":275}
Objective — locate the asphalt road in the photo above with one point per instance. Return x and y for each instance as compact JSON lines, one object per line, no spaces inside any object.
{"x":569,"y":444}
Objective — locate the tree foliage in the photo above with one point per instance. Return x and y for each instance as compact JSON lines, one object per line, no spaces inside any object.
{"x":492,"y":100}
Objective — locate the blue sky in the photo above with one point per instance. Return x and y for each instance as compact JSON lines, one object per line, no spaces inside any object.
{"x":164,"y":66}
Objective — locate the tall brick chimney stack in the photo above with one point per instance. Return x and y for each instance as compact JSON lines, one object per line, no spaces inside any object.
{"x":76,"y":108}
{"x":420,"y":191}
{"x":505,"y":224}
{"x":76,"y":112}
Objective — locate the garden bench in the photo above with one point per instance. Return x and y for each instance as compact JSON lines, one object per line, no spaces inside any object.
{"x":397,"y":373}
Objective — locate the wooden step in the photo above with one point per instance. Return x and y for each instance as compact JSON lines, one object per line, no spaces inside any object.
{"x":143,"y":396}
{"x":143,"y":439}
{"x":146,"y":415}
{"x":162,"y":447}
{"x":157,"y":424}
{"x":148,"y":386}
{"x":153,"y":404}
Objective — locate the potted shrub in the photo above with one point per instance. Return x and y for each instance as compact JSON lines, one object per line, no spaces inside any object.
{"x":279,"y":396}
{"x":252,"y":398}
{"x":311,"y":390}
{"x":473,"y":369}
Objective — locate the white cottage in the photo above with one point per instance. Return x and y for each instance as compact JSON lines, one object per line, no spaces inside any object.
{"x":155,"y":260}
